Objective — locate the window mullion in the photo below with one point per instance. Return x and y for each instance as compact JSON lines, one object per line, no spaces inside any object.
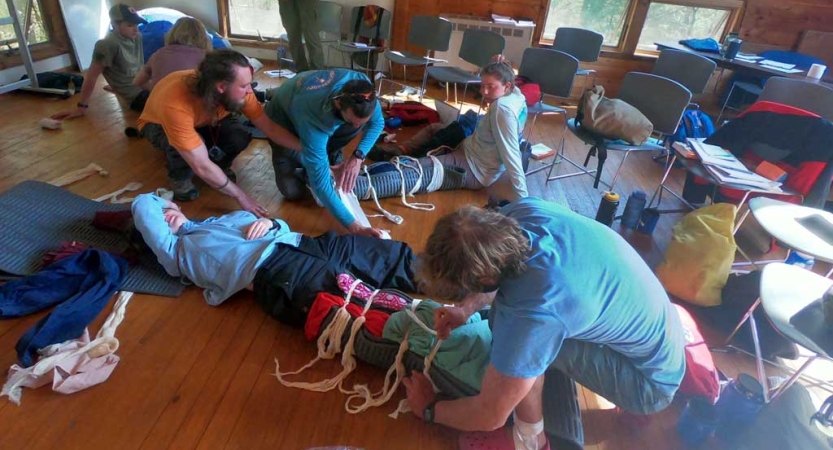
{"x":634,"y":26}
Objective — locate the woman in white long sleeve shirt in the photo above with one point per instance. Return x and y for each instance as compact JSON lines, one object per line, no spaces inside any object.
{"x":491,"y":155}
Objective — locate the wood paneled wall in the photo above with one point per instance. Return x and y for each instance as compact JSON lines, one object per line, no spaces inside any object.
{"x":769,"y":23}
{"x":609,"y":71}
{"x":780,"y":22}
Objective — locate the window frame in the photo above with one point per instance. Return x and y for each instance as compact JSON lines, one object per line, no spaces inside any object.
{"x":58,"y":43}
{"x":636,"y":15}
{"x":46,"y":24}
{"x":224,"y":19}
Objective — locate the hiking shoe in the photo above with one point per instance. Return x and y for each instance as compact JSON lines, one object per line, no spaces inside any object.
{"x":184,"y":190}
{"x":384,"y":152}
{"x":230,"y":174}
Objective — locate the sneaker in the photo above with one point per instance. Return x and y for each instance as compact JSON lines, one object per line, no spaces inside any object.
{"x":184,"y":190}
{"x":230,"y":174}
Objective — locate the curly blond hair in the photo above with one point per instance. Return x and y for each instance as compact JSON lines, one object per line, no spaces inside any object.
{"x":468,"y":249}
{"x":191,"y":32}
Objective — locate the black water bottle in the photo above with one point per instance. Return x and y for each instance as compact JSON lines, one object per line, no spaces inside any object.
{"x":633,"y":209}
{"x":607,"y":208}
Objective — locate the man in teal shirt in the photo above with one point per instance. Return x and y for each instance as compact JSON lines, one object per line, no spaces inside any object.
{"x":326,"y":109}
{"x":567,"y":294}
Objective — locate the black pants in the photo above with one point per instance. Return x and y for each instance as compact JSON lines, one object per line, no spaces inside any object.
{"x":225,"y":141}
{"x":452,"y":136}
{"x":138,"y":103}
{"x":288,"y":281}
{"x":290,"y":175}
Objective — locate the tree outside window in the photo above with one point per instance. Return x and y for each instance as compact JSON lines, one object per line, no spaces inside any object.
{"x":33,"y":23}
{"x":252,"y":18}
{"x":661,"y":20}
{"x":602,"y":16}
{"x":672,"y":23}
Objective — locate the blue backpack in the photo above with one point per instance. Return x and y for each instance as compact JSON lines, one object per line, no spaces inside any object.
{"x":695,"y":124}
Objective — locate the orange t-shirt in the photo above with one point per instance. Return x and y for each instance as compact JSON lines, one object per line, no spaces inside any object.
{"x":172,"y":105}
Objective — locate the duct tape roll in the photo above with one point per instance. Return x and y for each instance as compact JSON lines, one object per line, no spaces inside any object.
{"x":816,"y":71}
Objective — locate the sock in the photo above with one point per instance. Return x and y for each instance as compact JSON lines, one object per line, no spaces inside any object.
{"x":526,"y":434}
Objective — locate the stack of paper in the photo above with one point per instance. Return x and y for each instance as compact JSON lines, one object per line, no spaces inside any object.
{"x":283,"y":73}
{"x":506,"y":20}
{"x":727,"y":169}
{"x":777,"y":64}
{"x":781,"y":67}
{"x":749,"y":56}
{"x":684,"y":150}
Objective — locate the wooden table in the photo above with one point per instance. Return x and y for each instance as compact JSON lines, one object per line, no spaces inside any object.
{"x":749,"y":68}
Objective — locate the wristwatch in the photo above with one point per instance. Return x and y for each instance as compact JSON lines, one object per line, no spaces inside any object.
{"x":82,"y":105}
{"x":428,"y":413}
{"x":276,"y":225}
{"x":358,"y":154}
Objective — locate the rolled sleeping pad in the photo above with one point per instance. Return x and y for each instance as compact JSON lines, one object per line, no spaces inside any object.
{"x":388,"y":182}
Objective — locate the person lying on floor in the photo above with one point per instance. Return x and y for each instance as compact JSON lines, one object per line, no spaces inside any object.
{"x":492,"y":154}
{"x":568,"y":294}
{"x":285,"y":269}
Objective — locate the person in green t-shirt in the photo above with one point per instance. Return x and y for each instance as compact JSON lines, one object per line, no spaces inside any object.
{"x":119,"y":56}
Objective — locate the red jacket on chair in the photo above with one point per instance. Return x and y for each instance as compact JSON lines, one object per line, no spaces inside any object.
{"x":797,"y":141}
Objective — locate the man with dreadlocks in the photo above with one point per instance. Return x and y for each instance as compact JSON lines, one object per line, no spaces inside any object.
{"x":326,"y":109}
{"x":188,"y":116}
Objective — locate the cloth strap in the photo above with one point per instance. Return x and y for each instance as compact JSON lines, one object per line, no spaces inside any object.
{"x":402,"y":163}
{"x":329,"y":345}
{"x":368,"y":399}
{"x":104,"y":344}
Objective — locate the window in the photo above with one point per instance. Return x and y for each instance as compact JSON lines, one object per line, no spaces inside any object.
{"x":671,"y":23}
{"x":31,"y":21}
{"x":602,"y":16}
{"x":630,"y":26}
{"x":253,"y":18}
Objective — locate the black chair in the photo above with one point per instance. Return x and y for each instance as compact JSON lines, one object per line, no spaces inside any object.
{"x":554,"y":72}
{"x":661,"y":100}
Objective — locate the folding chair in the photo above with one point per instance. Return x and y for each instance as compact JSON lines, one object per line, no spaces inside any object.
{"x":429,"y":32}
{"x":661,"y":100}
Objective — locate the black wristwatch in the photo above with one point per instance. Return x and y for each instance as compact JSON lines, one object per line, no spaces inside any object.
{"x":276,"y":225}
{"x":82,"y":105}
{"x":428,"y":413}
{"x":358,"y":154}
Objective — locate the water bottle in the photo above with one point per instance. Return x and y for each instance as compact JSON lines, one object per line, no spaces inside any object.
{"x":801,"y":260}
{"x":740,"y":402}
{"x":607,"y":208}
{"x":725,"y":45}
{"x":633,"y":209}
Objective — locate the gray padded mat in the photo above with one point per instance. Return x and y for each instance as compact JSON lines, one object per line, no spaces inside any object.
{"x":35,"y":217}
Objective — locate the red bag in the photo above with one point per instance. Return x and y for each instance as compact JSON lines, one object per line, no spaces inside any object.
{"x":531,"y":91}
{"x":414,"y":113}
{"x":700,"y":377}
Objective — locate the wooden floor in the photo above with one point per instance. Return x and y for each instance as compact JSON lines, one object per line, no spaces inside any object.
{"x":193,"y":376}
